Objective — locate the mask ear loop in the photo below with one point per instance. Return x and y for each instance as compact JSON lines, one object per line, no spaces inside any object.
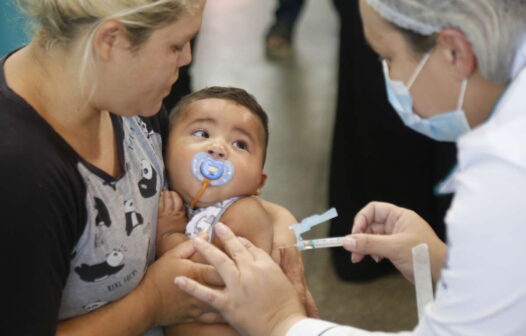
{"x":418,"y":70}
{"x":463,"y":88}
{"x":206,"y":183}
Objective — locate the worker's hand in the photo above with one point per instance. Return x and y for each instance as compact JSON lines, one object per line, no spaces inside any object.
{"x":291,"y":261}
{"x":258,"y":298}
{"x":168,"y":304}
{"x":384,"y":230}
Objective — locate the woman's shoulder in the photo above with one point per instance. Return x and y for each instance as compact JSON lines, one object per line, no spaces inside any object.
{"x":27,"y":142}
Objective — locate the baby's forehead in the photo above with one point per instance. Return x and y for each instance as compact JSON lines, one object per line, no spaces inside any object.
{"x":206,"y":109}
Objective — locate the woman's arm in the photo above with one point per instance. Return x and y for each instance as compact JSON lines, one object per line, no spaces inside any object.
{"x":155,"y":302}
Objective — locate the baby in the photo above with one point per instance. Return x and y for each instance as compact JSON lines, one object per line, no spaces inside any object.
{"x":215,"y":157}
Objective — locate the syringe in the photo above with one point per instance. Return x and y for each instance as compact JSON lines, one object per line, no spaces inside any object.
{"x":318,"y":243}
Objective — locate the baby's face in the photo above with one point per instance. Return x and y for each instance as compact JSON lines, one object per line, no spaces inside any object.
{"x":226,"y":131}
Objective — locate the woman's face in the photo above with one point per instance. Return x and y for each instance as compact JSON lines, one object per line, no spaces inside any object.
{"x":437,"y":87}
{"x":136,"y":82}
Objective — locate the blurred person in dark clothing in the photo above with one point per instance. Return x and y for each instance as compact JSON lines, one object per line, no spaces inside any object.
{"x":374,"y":156}
{"x":279,"y":37}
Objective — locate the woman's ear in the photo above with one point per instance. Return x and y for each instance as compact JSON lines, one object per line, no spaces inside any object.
{"x":107,"y":37}
{"x":458,"y":52}
{"x":264,"y":177}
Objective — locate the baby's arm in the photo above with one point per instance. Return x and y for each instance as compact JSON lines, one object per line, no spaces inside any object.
{"x":248,"y":219}
{"x":171,"y":222}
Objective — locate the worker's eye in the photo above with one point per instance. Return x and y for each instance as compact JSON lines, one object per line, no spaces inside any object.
{"x":201,"y":134}
{"x":241,"y":144}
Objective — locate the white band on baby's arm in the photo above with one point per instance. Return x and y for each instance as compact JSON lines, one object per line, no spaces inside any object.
{"x":314,"y":327}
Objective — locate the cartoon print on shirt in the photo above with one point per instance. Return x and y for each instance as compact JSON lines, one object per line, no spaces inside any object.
{"x":98,"y":272}
{"x":133,"y":219}
{"x":148,"y":183}
{"x":103,"y":215}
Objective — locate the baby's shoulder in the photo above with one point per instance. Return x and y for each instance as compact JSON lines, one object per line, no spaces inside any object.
{"x":246,"y":207}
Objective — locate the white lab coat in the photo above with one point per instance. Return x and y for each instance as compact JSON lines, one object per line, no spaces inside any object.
{"x":482,"y":290}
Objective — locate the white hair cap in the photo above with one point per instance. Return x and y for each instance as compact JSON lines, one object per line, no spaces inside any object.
{"x":390,"y":11}
{"x":495,"y":28}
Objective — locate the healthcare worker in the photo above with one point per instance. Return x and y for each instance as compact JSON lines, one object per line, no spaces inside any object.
{"x":455,"y":72}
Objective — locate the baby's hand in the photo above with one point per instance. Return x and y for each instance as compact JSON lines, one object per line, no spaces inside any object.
{"x":170,"y":205}
{"x":171,"y":222}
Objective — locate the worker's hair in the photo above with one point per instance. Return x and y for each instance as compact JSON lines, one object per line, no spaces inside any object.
{"x":236,"y":95}
{"x":495,"y":28}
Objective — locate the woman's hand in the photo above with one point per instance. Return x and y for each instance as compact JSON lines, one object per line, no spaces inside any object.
{"x":291,"y":261}
{"x":384,"y":230}
{"x":169,"y":305}
{"x":258,"y":298}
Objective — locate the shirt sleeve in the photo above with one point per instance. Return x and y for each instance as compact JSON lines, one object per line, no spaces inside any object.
{"x":39,"y":227}
{"x":314,"y":327}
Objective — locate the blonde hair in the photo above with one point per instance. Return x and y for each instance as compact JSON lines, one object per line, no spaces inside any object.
{"x":61,"y":22}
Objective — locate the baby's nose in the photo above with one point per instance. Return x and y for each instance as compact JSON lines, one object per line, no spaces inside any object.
{"x":217,"y":152}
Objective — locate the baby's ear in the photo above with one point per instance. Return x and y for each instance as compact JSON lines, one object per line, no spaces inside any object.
{"x":262,"y":183}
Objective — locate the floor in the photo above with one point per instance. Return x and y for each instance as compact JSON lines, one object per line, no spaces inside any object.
{"x":299,"y":96}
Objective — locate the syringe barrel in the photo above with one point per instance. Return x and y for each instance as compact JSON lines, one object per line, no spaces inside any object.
{"x":320,"y":243}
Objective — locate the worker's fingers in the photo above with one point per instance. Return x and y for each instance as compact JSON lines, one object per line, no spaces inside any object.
{"x":356,"y":257}
{"x":184,"y":250}
{"x":373,"y":213}
{"x":380,"y":246}
{"x":234,"y":247}
{"x":213,"y":297}
{"x":256,"y":252}
{"x":211,"y":277}
{"x":223,"y":264}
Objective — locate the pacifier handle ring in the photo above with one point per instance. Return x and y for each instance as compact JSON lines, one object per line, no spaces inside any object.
{"x":204,"y":185}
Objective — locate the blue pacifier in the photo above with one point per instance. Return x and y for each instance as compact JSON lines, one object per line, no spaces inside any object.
{"x":218,"y":172}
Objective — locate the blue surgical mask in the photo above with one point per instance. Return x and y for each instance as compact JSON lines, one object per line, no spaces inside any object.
{"x":447,"y":126}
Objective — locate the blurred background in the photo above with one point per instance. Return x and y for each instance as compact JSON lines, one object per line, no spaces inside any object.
{"x":335,"y":141}
{"x":13,"y":27}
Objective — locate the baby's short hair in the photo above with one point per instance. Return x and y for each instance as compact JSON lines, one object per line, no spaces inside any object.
{"x":236,"y":95}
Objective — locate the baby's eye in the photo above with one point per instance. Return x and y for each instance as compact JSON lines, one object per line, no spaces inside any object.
{"x":240,"y":144}
{"x":201,"y":134}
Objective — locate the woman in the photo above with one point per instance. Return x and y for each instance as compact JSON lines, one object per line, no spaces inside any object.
{"x":81,"y":155}
{"x":466,"y":58}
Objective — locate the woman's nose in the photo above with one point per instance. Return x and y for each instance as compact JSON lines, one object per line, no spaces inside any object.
{"x":217,"y":152}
